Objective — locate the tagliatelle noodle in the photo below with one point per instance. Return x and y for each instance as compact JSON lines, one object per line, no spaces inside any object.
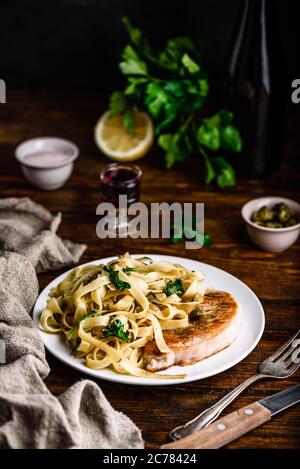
{"x":87,"y":304}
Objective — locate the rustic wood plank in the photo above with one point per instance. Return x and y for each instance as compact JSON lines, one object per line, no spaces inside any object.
{"x":274,"y":278}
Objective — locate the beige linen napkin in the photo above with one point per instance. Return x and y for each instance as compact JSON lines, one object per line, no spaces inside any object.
{"x":30,"y":416}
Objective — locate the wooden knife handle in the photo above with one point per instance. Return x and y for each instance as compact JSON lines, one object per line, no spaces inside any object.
{"x":225,"y":429}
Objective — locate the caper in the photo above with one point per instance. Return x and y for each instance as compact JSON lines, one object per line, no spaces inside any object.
{"x":255,"y":216}
{"x":278,"y":216}
{"x":273,"y":224}
{"x":291,"y":222}
{"x":284,"y":213}
{"x":266,"y":214}
{"x":196,"y":314}
{"x":279,"y":206}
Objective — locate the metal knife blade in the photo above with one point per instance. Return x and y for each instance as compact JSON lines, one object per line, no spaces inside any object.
{"x":282,"y":400}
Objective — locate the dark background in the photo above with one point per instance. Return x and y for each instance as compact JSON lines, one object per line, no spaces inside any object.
{"x":77,"y":43}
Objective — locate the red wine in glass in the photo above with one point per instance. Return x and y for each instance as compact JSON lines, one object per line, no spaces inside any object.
{"x":120,"y":179}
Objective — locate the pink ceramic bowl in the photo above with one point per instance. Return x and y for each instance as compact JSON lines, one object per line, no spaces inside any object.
{"x":271,"y":239}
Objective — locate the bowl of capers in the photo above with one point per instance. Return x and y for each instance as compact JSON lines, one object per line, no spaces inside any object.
{"x":273,"y":223}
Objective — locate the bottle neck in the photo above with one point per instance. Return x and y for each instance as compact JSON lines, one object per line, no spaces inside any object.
{"x":249,"y":57}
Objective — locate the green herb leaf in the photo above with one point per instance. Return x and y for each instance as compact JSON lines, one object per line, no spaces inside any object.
{"x":175,"y":147}
{"x":116,"y":329}
{"x":135,"y":34}
{"x":128,"y":120}
{"x":217,"y":132}
{"x":225,"y":117}
{"x":190,"y":64}
{"x":118,"y":104}
{"x":180,"y":231}
{"x":118,"y":283}
{"x":72,"y":333}
{"x":175,"y":88}
{"x":135,"y":86}
{"x":131,"y":63}
{"x":208,"y":241}
{"x":231,"y":138}
{"x":203,"y":239}
{"x":89,"y":314}
{"x":210,"y":172}
{"x":139,"y":41}
{"x":174,"y":50}
{"x":172,"y":86}
{"x":155,"y":99}
{"x":209,"y":137}
{"x":173,"y":153}
{"x":127,"y":270}
{"x":178,"y":234}
{"x":175,"y":287}
{"x":74,"y":348}
{"x":203,"y":87}
{"x":74,"y":330}
{"x":225,"y":172}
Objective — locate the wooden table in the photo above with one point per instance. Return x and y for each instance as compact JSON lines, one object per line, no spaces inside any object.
{"x":274,"y":278}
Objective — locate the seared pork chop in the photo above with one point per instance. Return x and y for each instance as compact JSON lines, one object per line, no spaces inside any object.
{"x":216,"y":328}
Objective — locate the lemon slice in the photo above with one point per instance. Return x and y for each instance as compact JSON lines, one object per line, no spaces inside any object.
{"x":114,"y":141}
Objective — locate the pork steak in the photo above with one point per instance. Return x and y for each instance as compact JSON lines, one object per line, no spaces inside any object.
{"x":216,"y":328}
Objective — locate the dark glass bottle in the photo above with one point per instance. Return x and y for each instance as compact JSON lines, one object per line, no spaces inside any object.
{"x":255,"y":88}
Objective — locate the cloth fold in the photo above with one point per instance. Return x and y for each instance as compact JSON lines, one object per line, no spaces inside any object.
{"x":29,"y":229}
{"x":30,"y":416}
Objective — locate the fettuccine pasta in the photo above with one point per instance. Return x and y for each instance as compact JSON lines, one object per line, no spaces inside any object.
{"x":108,"y":313}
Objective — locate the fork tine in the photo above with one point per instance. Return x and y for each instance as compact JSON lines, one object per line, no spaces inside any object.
{"x":291,"y":362}
{"x":292,"y":367}
{"x":295,"y":354}
{"x":290,"y":351}
{"x":283,"y":348}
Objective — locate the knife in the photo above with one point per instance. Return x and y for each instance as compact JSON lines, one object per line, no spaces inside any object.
{"x":236,"y":424}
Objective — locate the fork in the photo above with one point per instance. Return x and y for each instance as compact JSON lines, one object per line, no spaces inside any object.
{"x":281,"y":364}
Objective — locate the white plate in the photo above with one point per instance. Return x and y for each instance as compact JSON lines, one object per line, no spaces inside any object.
{"x":253,"y":321}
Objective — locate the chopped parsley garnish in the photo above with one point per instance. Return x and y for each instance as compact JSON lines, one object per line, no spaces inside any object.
{"x":175,"y":287}
{"x":118,"y":283}
{"x":127,"y":270}
{"x":116,"y":329}
{"x":89,"y":314}
{"x":74,"y":348}
{"x":73,"y":331}
{"x":187,"y":229}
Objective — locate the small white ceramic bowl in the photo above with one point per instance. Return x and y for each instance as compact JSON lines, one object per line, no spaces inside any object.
{"x":271,"y":239}
{"x":47,"y":176}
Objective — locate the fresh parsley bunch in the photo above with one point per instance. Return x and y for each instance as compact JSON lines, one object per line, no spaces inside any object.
{"x":172,"y":86}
